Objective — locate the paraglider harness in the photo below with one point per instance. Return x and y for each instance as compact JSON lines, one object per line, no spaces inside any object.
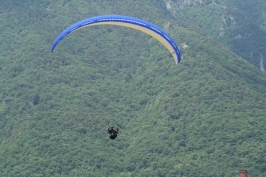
{"x":113,"y":133}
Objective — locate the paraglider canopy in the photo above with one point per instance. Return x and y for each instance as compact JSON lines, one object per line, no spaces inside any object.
{"x":126,"y":21}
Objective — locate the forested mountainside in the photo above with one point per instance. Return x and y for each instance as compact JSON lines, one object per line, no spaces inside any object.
{"x":238,"y":24}
{"x":202,"y":117}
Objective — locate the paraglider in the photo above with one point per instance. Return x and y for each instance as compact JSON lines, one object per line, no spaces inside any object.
{"x":113,"y":133}
{"x":129,"y":22}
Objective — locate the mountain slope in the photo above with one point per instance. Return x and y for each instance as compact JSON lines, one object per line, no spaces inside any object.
{"x":240,"y":25}
{"x":202,"y":117}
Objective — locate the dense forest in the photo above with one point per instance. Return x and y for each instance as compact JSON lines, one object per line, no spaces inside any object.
{"x":238,"y":24}
{"x":202,"y":117}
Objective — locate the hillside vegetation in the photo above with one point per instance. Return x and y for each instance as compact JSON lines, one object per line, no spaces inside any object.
{"x":238,"y":24}
{"x":202,"y":117}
